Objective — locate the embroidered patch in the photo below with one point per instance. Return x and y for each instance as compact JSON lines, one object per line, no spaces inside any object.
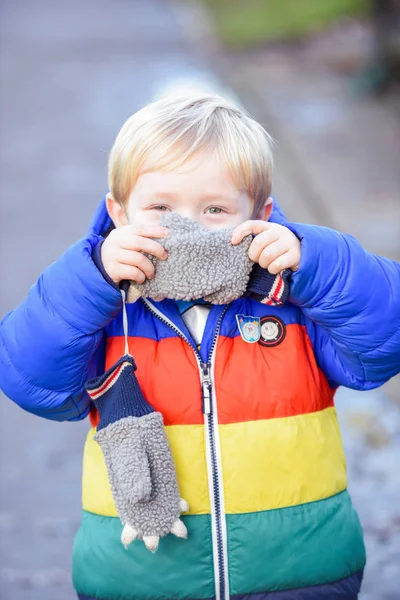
{"x":272,"y":331}
{"x":249,"y":328}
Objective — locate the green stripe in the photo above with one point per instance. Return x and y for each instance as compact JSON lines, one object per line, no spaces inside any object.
{"x":180,"y":568}
{"x":310,"y":544}
{"x":289,"y":548}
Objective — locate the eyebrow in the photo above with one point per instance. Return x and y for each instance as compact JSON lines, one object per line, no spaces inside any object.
{"x":163,"y":195}
{"x":172,"y":196}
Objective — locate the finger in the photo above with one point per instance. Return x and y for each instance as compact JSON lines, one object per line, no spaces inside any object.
{"x":143,"y":244}
{"x":183,"y":506}
{"x":148,"y":230}
{"x":130,"y":273}
{"x":136,"y":259}
{"x":271,"y":252}
{"x":151,"y":542}
{"x":128,"y":534}
{"x":248,"y":228}
{"x":179,"y":529}
{"x":262,"y":241}
{"x":285,"y":261}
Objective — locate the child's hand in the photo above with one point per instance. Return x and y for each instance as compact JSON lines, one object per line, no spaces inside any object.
{"x":274,"y":247}
{"x":121,"y":252}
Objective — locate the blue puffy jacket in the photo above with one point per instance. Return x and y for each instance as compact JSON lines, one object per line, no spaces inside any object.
{"x":53,"y":342}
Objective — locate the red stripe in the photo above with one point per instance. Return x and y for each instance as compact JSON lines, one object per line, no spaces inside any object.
{"x":94,"y":416}
{"x":110,"y":378}
{"x":275,"y":295}
{"x":169,"y":378}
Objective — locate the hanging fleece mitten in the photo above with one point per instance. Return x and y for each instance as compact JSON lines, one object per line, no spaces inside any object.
{"x":138,"y":458}
{"x":204,"y":264}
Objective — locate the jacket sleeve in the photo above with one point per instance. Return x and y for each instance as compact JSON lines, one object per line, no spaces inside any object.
{"x":53,"y":342}
{"x":351,"y":301}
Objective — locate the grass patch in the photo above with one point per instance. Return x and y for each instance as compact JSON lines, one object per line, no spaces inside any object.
{"x":246,"y":23}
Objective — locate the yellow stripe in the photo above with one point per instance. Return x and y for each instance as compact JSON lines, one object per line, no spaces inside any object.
{"x":266,"y":464}
{"x":188,"y":449}
{"x":282,"y":462}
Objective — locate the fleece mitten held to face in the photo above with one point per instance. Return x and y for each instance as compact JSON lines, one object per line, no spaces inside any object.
{"x":204,"y":264}
{"x":138,"y":458}
{"x":200,"y":264}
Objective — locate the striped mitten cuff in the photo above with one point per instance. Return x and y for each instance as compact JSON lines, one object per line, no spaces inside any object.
{"x":267,"y":288}
{"x":117,"y":394}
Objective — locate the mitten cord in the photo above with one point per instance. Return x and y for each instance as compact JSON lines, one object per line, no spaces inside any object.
{"x":125,"y":319}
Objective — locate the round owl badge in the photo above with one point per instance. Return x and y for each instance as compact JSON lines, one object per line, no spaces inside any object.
{"x":249,"y":328}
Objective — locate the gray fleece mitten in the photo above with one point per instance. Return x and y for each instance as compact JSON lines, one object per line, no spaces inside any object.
{"x":200,"y":264}
{"x":138,"y":458}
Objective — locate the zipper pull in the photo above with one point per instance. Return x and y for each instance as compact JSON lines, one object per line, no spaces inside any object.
{"x":206,"y":388}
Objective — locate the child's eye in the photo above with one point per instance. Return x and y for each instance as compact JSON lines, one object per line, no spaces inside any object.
{"x":214,"y":210}
{"x":160,"y":207}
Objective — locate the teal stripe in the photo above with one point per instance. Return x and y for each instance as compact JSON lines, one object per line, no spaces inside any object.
{"x":179,"y":569}
{"x":310,"y":544}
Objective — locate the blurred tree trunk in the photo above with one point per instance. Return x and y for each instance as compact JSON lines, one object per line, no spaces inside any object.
{"x":386,"y":22}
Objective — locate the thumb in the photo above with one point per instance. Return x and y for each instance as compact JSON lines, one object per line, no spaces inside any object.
{"x":139,"y":479}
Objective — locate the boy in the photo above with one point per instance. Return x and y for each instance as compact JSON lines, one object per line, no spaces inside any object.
{"x":262,"y":468}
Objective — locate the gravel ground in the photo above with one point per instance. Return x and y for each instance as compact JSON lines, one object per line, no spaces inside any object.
{"x":370,"y":424}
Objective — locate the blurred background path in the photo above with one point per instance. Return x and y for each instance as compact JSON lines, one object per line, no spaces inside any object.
{"x":71,"y":73}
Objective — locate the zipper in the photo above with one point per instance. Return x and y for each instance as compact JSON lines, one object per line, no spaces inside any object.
{"x":209,"y":409}
{"x":206,"y":388}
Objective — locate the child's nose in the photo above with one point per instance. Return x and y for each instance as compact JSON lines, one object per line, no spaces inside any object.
{"x":189,"y":213}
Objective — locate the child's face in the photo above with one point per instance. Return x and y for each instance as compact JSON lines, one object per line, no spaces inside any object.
{"x":202,"y":189}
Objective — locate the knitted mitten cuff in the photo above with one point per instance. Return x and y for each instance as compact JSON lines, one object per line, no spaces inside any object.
{"x":117,"y":394}
{"x":267,"y":288}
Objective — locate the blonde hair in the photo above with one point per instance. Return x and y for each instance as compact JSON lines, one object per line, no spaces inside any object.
{"x":163,"y":135}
